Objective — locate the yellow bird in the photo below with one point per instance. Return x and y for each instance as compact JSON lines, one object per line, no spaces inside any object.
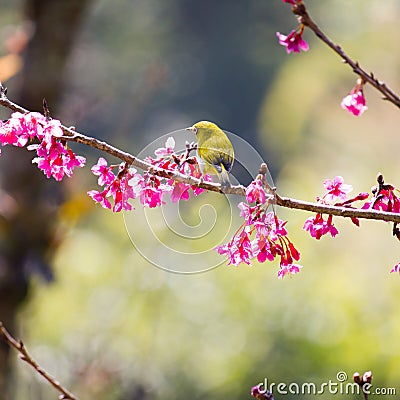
{"x":214,"y":149}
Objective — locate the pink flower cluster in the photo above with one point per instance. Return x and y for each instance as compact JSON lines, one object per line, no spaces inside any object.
{"x":384,"y":199}
{"x":354,"y":102}
{"x":150,"y":189}
{"x":318,"y":227}
{"x":263,"y":235}
{"x":54,"y":157}
{"x":335,"y":190}
{"x":115,"y":186}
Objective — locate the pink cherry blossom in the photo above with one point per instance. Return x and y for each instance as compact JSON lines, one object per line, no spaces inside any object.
{"x":293,"y":42}
{"x":151,"y":191}
{"x":318,"y":227}
{"x":45,"y":165}
{"x":336,"y":189}
{"x":290,"y":269}
{"x":54,"y":158}
{"x":31,"y":124}
{"x":268,"y":225}
{"x":103,"y":171}
{"x":386,"y":200}
{"x":238,"y":250}
{"x":354,"y":102}
{"x":21,"y":128}
{"x":100,"y":197}
{"x":56,"y":167}
{"x":73,"y":161}
{"x":272,"y":241}
{"x":263,"y":236}
{"x":180,"y":191}
{"x":265,"y":250}
{"x":12,"y":133}
{"x":118,"y":187}
{"x":168,"y":149}
{"x":125,"y":178}
{"x":255,"y":192}
{"x":52,"y":129}
{"x":389,"y":201}
{"x":246,"y":212}
{"x":151,"y":197}
{"x":121,"y":194}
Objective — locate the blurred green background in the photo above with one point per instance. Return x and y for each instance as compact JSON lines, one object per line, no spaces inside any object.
{"x":112,"y":326}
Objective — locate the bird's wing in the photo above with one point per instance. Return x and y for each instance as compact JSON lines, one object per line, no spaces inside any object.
{"x":212,"y":154}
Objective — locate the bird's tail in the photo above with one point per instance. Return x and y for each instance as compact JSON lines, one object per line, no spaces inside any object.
{"x":224,"y":177}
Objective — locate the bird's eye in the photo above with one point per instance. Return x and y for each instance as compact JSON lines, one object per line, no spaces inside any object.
{"x":192,"y":129}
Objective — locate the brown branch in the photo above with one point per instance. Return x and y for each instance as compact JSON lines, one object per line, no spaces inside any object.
{"x":25,"y":356}
{"x":305,"y":19}
{"x":336,"y":210}
{"x":74,"y":136}
{"x":239,"y":190}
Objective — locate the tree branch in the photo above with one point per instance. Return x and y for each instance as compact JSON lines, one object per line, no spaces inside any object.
{"x":74,"y":136}
{"x":25,"y":356}
{"x":336,"y":210}
{"x":304,"y":18}
{"x":239,"y":190}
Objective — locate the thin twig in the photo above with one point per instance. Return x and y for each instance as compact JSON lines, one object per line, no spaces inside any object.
{"x":74,"y":136}
{"x":25,"y":356}
{"x":304,"y":18}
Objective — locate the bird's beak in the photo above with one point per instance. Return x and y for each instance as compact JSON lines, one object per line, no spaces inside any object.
{"x":192,"y":129}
